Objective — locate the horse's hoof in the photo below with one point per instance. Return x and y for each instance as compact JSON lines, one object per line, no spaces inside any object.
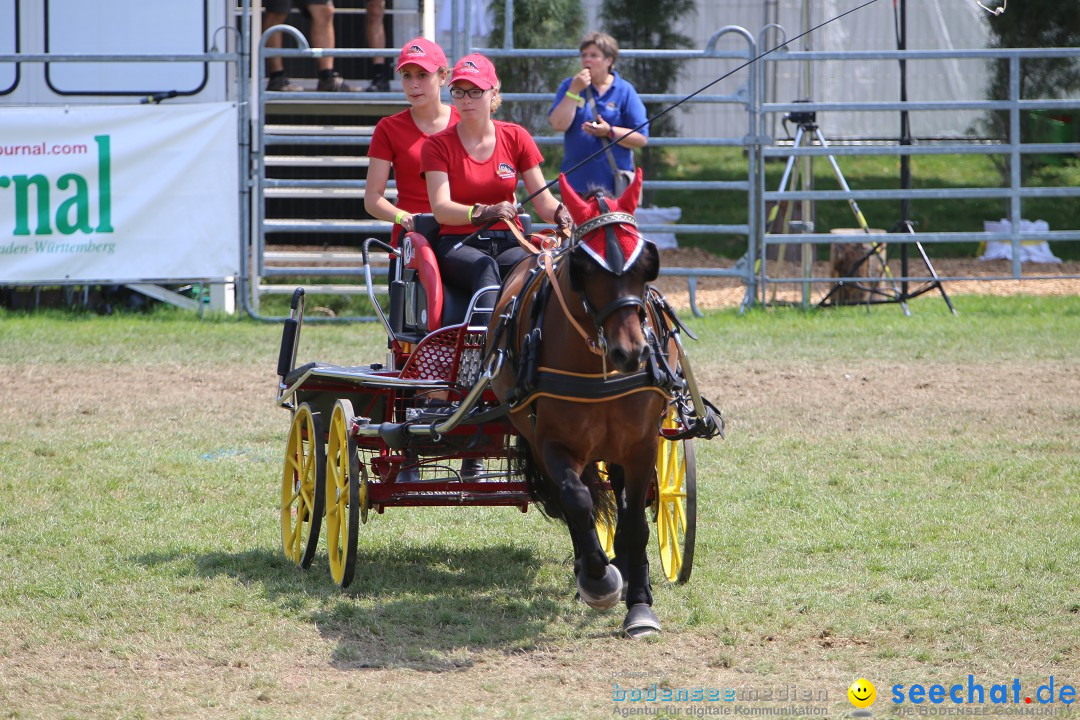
{"x":602,"y":594}
{"x":640,"y":621}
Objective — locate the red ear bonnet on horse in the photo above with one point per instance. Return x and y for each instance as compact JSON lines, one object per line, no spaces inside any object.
{"x":606,"y":229}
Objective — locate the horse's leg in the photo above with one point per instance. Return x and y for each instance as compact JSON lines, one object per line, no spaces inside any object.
{"x":617,"y":480}
{"x":599,"y":583}
{"x":640,"y":619}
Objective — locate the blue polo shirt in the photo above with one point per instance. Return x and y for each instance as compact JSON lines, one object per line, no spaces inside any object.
{"x":621,"y":107}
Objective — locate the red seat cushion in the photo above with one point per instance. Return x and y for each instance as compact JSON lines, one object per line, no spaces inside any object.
{"x":423,"y":262}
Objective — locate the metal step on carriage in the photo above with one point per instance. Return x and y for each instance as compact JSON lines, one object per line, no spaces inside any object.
{"x":395,"y":434}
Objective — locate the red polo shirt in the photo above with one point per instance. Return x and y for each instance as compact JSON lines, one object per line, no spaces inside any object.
{"x":398,"y":140}
{"x":489,"y":182}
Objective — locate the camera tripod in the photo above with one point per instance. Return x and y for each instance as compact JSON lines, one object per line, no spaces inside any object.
{"x":871,"y":259}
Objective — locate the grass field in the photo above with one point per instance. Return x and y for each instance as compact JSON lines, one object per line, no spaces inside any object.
{"x":897,"y":499}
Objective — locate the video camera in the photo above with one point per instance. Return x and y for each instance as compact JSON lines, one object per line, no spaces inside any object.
{"x":807,"y":120}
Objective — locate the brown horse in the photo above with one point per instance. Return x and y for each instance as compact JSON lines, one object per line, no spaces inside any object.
{"x":574,"y":340}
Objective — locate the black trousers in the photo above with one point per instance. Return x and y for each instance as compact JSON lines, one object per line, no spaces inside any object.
{"x":484,"y":260}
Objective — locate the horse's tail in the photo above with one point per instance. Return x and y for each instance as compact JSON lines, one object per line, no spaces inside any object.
{"x":542,"y":490}
{"x":603,"y":500}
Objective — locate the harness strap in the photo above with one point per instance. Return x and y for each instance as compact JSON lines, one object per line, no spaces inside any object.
{"x":548,"y":243}
{"x":585,"y":390}
{"x":657,"y":299}
{"x":590,"y":387}
{"x":516,"y":232}
{"x":545,"y":262}
{"x":617,"y":304}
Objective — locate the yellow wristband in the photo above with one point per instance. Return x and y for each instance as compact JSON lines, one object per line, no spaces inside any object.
{"x":574,"y":96}
{"x":401,"y":214}
{"x":471,"y":208}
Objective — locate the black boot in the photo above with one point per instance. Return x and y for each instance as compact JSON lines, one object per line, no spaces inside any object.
{"x":330,"y":81}
{"x":380,"y":82}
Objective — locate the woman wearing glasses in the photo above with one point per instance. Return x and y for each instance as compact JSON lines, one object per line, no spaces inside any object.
{"x":471,"y":170}
{"x":398,"y":138}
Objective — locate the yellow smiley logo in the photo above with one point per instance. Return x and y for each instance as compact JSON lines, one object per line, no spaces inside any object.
{"x":862,"y":693}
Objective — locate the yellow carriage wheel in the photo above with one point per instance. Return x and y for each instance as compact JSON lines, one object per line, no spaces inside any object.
{"x":676,"y":504}
{"x":365,"y":493}
{"x":342,"y":495}
{"x":605,"y":532}
{"x":302,"y":496}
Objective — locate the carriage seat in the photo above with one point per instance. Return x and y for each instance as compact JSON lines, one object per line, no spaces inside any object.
{"x":420,"y":301}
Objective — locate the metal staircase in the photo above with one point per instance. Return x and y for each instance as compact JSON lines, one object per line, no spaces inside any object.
{"x":309,"y":179}
{"x":309,"y":164}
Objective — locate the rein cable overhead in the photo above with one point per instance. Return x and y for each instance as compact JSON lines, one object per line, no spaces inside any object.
{"x":694,"y":94}
{"x":615,"y":141}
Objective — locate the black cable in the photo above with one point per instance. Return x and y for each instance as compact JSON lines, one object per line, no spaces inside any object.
{"x":692,"y":95}
{"x":697,"y":92}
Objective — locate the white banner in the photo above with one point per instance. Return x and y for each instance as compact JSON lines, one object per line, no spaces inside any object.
{"x":118,"y":194}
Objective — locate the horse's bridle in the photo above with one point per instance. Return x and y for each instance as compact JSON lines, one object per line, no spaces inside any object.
{"x":599,"y":316}
{"x":608,"y":220}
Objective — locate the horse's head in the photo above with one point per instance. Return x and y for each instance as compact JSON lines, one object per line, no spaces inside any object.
{"x":610,"y":265}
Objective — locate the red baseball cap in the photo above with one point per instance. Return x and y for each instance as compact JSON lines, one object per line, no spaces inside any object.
{"x":477,"y":69}
{"x":423,"y":52}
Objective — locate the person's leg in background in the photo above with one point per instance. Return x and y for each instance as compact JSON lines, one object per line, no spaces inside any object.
{"x":375,"y":31}
{"x":277,"y":12}
{"x":321,"y":13}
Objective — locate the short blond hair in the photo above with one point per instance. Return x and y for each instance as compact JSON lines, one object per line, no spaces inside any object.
{"x":604,"y":43}
{"x":496,"y":98}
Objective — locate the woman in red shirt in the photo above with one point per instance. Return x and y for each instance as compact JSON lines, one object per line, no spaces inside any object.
{"x":471,"y":170}
{"x":398,"y":138}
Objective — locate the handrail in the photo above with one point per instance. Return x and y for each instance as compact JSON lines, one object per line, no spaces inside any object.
{"x":113,"y":57}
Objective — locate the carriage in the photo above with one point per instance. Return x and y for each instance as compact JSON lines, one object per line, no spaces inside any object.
{"x":426,"y":427}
